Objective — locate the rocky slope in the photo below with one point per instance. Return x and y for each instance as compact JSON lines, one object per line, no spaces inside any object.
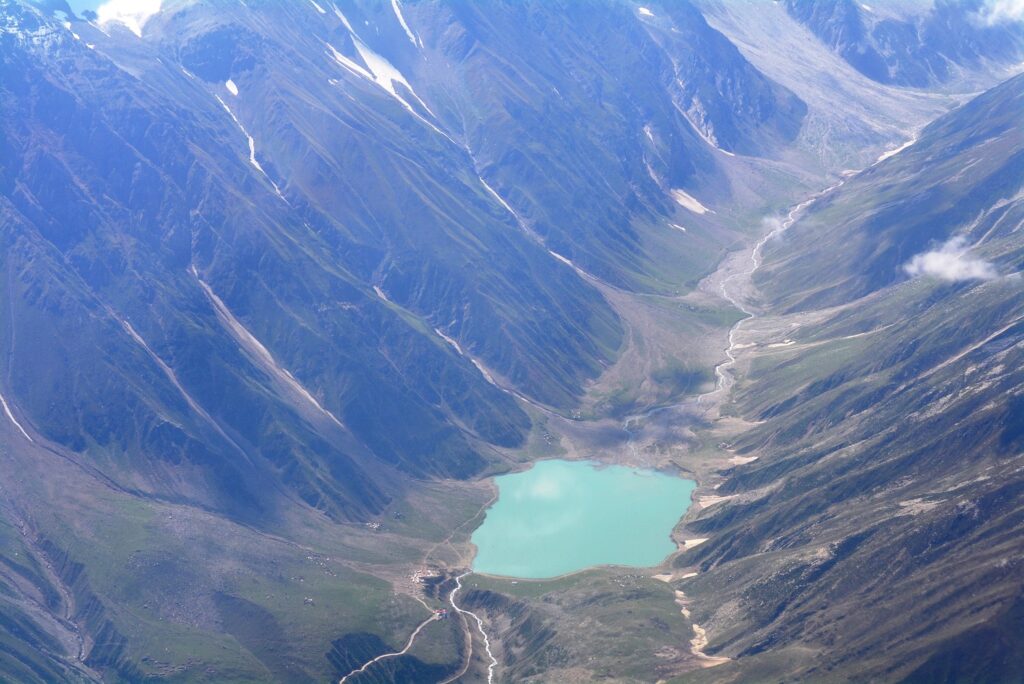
{"x":914,"y":43}
{"x":875,"y":535}
{"x":281,"y":283}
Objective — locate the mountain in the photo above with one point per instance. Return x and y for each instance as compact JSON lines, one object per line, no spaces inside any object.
{"x":913,"y":44}
{"x":284,"y":284}
{"x":963,"y":172}
{"x":872,"y":531}
{"x":278,"y":274}
{"x":167,"y":225}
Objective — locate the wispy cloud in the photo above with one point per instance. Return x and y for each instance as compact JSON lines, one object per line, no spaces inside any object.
{"x":132,"y":13}
{"x":951,"y":262}
{"x":1001,"y":11}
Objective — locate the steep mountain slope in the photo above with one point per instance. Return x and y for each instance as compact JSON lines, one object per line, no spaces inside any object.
{"x":163,"y":194}
{"x":876,"y":533}
{"x":849,"y":114}
{"x":913,"y":43}
{"x":957,"y":183}
{"x":283,"y":282}
{"x":498,"y":88}
{"x":270,"y":273}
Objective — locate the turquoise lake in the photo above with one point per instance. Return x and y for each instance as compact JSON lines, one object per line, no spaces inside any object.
{"x":562,"y":516}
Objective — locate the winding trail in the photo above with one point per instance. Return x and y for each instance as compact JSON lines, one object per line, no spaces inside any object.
{"x":723,"y":380}
{"x":480,"y":626}
{"x":395,"y":654}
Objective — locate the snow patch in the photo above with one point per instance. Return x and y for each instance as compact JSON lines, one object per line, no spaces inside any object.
{"x":677,"y":227}
{"x":10,"y":416}
{"x":132,"y":14}
{"x":896,"y":150}
{"x":173,"y":378}
{"x":381,"y":72}
{"x":317,"y":7}
{"x":458,"y":348}
{"x":343,"y":19}
{"x":232,"y":88}
{"x":250,"y":343}
{"x":386,"y":75}
{"x":561,"y":258}
{"x":687,"y":201}
{"x":483,"y":372}
{"x":450,"y":341}
{"x":499,"y":198}
{"x":413,"y":38}
{"x":348,"y":63}
{"x":643,"y":11}
{"x":252,"y":145}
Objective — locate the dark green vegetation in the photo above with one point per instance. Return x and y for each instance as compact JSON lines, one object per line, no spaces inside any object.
{"x":282,"y":283}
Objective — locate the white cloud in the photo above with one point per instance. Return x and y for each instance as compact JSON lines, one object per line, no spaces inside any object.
{"x":132,"y":13}
{"x":951,"y":262}
{"x":1001,"y":11}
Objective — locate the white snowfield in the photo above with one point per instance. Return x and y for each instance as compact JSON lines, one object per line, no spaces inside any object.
{"x":317,"y":7}
{"x":499,"y":198}
{"x":232,"y":88}
{"x":561,"y":258}
{"x":645,"y":12}
{"x":343,"y":19}
{"x":896,"y":150}
{"x":458,"y":348}
{"x":687,"y":201}
{"x":454,"y":343}
{"x":247,"y":341}
{"x":413,"y":38}
{"x":252,"y":145}
{"x":383,"y":73}
{"x":348,"y":63}
{"x":10,"y":416}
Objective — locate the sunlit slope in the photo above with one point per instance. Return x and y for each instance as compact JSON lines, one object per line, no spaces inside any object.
{"x":961,"y":179}
{"x":876,"y":535}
